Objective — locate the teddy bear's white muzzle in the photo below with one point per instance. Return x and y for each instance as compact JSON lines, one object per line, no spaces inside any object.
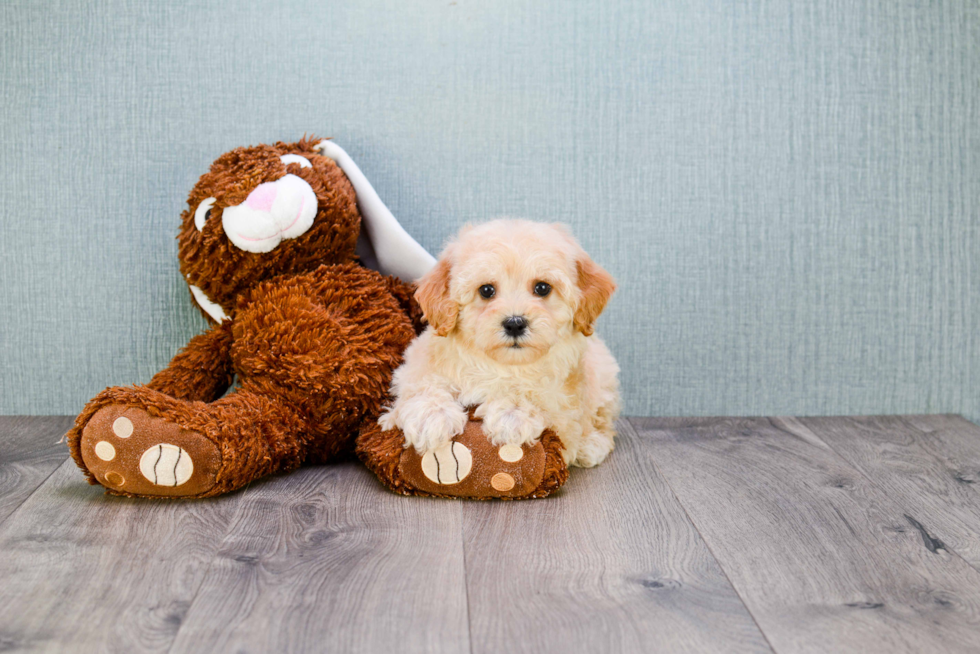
{"x":274,"y":211}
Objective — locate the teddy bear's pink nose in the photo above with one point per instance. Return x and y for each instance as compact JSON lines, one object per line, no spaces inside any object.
{"x":262,"y":197}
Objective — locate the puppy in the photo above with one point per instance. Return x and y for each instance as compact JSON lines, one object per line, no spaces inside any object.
{"x":511,"y":306}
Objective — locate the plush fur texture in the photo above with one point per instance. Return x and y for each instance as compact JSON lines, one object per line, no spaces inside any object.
{"x":555,"y":373}
{"x":312,"y":336}
{"x":208,"y":258}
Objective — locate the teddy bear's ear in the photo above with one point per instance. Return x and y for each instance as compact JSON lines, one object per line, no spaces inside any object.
{"x":383,"y":245}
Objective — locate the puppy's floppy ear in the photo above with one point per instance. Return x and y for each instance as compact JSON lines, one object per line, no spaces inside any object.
{"x":597,"y":286}
{"x":433,"y":296}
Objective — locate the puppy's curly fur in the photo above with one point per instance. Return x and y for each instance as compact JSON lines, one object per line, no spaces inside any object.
{"x":511,"y":307}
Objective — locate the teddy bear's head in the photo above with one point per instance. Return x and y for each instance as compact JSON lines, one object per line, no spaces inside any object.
{"x":263,"y":211}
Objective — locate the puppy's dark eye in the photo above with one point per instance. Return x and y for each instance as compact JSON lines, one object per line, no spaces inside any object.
{"x":487,"y":291}
{"x":541,"y":289}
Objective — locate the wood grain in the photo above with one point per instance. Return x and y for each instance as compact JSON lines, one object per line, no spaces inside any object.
{"x":955,"y":441}
{"x":29,"y":452}
{"x":610,"y":564}
{"x":824,"y":559}
{"x":87,"y":572}
{"x":932,"y":476}
{"x":326,"y":560}
{"x":785,"y":535}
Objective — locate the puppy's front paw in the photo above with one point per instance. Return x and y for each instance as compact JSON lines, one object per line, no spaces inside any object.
{"x":594,"y":450}
{"x":506,"y":423}
{"x":388,"y":420}
{"x":429,"y":422}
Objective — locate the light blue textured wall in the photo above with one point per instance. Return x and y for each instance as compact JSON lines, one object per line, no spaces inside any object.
{"x":788,"y":192}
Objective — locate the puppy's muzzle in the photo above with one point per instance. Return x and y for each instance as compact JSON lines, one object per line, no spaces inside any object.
{"x":515,"y":326}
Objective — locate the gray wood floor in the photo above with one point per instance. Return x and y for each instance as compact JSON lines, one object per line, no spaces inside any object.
{"x":698,"y":535}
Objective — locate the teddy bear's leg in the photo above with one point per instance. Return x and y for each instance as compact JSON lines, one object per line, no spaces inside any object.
{"x":469,"y":466}
{"x":139,"y":442}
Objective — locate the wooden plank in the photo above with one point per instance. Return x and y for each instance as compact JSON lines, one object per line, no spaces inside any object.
{"x":955,"y":441}
{"x":928,"y":478}
{"x":30,"y":450}
{"x":326,"y":560}
{"x":609,"y":564}
{"x":824,"y":559}
{"x":88,"y":572}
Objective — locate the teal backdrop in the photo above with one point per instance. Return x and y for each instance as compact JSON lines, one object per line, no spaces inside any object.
{"x":787,"y":191}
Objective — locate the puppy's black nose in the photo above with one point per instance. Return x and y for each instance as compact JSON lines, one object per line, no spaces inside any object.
{"x":515,"y":326}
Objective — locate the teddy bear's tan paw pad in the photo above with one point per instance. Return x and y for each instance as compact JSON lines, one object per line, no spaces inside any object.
{"x":449,"y":464}
{"x":129,"y":451}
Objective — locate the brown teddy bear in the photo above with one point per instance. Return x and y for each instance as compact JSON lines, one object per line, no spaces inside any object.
{"x":305,"y":278}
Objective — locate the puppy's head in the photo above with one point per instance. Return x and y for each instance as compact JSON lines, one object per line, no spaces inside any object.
{"x":513,"y":289}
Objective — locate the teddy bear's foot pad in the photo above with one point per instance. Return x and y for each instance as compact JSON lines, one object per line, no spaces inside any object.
{"x":131,"y":452}
{"x":470,"y":466}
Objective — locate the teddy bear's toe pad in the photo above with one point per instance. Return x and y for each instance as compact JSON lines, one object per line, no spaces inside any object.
{"x":133,"y":453}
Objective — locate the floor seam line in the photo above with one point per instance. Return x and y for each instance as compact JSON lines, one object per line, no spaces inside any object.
{"x":36,"y":489}
{"x":207,"y":572}
{"x":629,"y":421}
{"x":466,"y":577}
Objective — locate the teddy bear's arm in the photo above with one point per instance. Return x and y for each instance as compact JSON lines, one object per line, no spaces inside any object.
{"x":202,"y":370}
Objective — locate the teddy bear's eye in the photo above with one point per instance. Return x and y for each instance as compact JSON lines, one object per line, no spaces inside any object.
{"x":203,"y":212}
{"x":303,"y":162}
{"x":487,"y":291}
{"x":541,"y":289}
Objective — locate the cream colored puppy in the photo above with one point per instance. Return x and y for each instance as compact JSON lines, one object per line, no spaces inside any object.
{"x":511,"y":306}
